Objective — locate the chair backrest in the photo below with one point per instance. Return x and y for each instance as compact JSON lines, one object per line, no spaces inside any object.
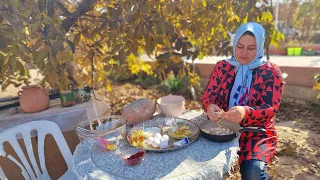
{"x":2,"y":175}
{"x":43,"y":128}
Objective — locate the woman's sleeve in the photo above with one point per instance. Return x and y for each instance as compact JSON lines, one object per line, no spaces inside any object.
{"x":210,"y":94}
{"x":272,"y":93}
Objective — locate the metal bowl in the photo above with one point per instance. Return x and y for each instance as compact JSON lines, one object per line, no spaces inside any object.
{"x":215,"y":138}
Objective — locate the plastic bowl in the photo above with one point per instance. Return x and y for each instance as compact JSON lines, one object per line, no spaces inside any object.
{"x":171,"y":105}
{"x":109,"y":128}
{"x":133,"y":156}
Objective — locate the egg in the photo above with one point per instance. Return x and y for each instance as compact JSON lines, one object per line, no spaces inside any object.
{"x":163,"y":144}
{"x":149,"y":140}
{"x":157,"y":136}
{"x":165,"y":137}
{"x":156,"y":143}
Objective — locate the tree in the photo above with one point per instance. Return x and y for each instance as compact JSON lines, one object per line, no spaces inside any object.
{"x":110,"y":36}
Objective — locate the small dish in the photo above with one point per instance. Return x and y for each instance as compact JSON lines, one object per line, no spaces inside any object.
{"x":133,"y":156}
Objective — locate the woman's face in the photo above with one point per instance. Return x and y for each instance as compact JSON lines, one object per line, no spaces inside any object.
{"x":246,"y":49}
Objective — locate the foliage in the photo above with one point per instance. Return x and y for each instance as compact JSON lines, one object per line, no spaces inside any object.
{"x":174,"y":84}
{"x":110,"y":36}
{"x":307,"y":18}
{"x":317,"y":86}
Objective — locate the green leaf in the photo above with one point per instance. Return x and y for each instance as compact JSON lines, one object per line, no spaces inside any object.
{"x":37,"y":45}
{"x":10,"y":20}
{"x":71,"y":45}
{"x":12,"y":64}
{"x":52,"y":33}
{"x":20,"y":67}
{"x":5,"y":67}
{"x":42,"y":5}
{"x":50,"y":8}
{"x":178,"y":44}
{"x":116,"y":49}
{"x":150,"y":45}
{"x":41,"y":55}
{"x":201,"y":55}
{"x":133,"y":10}
{"x":56,"y":46}
{"x":76,"y":39}
{"x":143,"y":7}
{"x":3,"y":43}
{"x":64,"y":56}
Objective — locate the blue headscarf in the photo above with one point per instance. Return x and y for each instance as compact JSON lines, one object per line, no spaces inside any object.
{"x":241,"y":89}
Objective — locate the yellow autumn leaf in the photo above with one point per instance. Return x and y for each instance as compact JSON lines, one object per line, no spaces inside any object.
{"x":108,"y":87}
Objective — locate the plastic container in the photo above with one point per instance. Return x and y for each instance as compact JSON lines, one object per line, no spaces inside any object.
{"x":294,"y":51}
{"x":309,"y":53}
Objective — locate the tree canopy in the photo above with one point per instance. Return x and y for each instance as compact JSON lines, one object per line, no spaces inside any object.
{"x":111,"y":35}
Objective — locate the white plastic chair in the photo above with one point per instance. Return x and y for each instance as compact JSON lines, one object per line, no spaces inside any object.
{"x":43,"y":128}
{"x":2,"y":175}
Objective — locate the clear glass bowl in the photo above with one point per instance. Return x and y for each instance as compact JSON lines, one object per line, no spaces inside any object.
{"x":105,"y":130}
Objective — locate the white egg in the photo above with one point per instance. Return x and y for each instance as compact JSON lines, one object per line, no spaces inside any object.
{"x":163,"y":144}
{"x":157,"y":136}
{"x":165,"y":137}
{"x":156,"y":143}
{"x":149,"y":140}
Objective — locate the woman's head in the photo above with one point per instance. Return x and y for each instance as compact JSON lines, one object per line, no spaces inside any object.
{"x":249,"y":43}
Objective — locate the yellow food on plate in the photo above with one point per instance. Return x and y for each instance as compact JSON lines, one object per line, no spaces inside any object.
{"x":182,"y":132}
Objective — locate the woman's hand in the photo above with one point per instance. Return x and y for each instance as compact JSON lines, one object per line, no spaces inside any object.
{"x":212,"y":112}
{"x":235,"y":114}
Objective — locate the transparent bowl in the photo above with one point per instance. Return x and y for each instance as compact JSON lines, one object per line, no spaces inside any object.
{"x":133,"y":156}
{"x":105,"y":130}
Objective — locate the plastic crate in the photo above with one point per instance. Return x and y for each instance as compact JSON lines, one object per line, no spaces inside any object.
{"x":309,"y":53}
{"x":294,"y":51}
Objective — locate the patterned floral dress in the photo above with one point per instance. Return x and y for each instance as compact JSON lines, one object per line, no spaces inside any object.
{"x":265,"y":96}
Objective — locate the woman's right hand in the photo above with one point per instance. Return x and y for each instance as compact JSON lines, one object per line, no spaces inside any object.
{"x":212,"y":112}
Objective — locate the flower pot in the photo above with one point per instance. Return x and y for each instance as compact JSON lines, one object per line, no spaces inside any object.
{"x":33,"y":99}
{"x":68,"y":98}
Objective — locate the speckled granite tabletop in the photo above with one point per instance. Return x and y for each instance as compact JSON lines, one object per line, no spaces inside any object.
{"x":202,"y":159}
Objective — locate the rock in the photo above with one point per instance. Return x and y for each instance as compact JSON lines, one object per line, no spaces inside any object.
{"x":296,"y":110}
{"x":13,"y":110}
{"x":313,"y":169}
{"x":296,"y":130}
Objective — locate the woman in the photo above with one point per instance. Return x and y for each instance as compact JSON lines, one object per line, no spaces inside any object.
{"x":247,"y":89}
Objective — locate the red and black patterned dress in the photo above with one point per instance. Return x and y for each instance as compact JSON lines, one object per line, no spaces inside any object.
{"x":266,"y":93}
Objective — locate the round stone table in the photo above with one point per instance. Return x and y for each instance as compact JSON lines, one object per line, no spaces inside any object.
{"x":202,"y":159}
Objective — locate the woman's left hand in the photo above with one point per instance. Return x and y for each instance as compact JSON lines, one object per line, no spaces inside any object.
{"x":235,"y":114}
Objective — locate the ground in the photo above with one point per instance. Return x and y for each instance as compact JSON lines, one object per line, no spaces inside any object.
{"x":298,"y":126}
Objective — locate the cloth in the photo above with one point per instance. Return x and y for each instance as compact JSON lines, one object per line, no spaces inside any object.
{"x":253,"y":169}
{"x":241,"y":87}
{"x":202,"y":159}
{"x":264,"y":100}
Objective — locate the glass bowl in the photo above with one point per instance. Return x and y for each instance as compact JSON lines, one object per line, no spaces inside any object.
{"x":133,"y":156}
{"x":105,"y":130}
